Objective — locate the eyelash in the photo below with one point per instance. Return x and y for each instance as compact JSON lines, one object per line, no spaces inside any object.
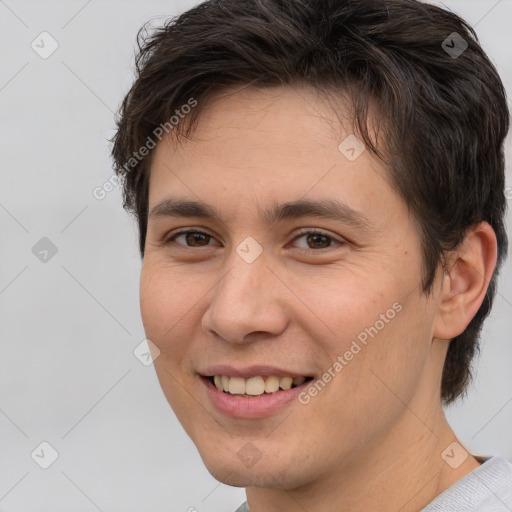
{"x":299,"y":234}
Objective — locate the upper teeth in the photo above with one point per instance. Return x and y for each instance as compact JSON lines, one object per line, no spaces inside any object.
{"x":255,"y":385}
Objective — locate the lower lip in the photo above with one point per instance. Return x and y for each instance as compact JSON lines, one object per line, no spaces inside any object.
{"x":254,"y":407}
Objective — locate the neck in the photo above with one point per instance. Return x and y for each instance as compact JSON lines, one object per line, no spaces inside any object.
{"x":403,"y":472}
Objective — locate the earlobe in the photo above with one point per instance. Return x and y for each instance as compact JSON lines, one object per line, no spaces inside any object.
{"x":465,"y":281}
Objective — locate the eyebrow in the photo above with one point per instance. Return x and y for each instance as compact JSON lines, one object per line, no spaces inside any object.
{"x":323,"y":208}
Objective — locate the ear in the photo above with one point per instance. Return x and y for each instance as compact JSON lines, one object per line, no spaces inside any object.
{"x":465,"y":281}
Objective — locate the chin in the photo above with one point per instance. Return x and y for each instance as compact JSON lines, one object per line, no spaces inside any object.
{"x":233,"y":470}
{"x":236,"y":476}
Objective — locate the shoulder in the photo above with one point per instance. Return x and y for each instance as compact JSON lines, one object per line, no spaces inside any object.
{"x":486,"y":489}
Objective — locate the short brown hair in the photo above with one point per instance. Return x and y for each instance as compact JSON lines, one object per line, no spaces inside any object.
{"x":445,"y":114}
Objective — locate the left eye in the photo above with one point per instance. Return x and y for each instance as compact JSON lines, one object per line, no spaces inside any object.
{"x":191,"y":237}
{"x":318,"y":239}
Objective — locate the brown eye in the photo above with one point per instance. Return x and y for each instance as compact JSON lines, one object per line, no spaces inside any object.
{"x":192,"y":238}
{"x":195,"y":239}
{"x":317,"y":240}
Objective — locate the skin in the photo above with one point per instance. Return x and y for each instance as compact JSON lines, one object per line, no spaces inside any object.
{"x":372,"y":439}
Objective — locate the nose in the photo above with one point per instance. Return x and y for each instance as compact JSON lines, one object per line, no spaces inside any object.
{"x":246,"y":303}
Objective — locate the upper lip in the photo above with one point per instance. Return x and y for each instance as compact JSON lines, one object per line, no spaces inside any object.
{"x":250,"y":371}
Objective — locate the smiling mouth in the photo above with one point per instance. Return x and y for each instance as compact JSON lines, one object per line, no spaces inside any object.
{"x":255,"y":386}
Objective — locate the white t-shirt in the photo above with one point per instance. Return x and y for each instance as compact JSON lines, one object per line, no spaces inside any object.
{"x":488,"y":488}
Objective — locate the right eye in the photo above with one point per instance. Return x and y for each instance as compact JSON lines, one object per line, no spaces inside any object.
{"x":194,"y":238}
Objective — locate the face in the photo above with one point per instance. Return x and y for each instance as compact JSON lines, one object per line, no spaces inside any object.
{"x":278,"y":284}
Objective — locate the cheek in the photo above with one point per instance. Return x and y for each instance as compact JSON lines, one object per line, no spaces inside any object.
{"x":335,"y":307}
{"x":375,"y":381}
{"x":378,"y":328}
{"x":167,"y":315}
{"x":153,"y":299}
{"x":166,"y":304}
{"x":387,"y":371}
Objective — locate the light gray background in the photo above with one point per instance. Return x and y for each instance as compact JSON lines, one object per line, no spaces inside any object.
{"x":69,"y":326}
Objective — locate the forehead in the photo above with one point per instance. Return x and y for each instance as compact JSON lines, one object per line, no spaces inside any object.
{"x":271,"y":118}
{"x":258,"y":148}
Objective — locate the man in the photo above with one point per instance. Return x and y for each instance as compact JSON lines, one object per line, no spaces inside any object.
{"x":319,"y":187}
